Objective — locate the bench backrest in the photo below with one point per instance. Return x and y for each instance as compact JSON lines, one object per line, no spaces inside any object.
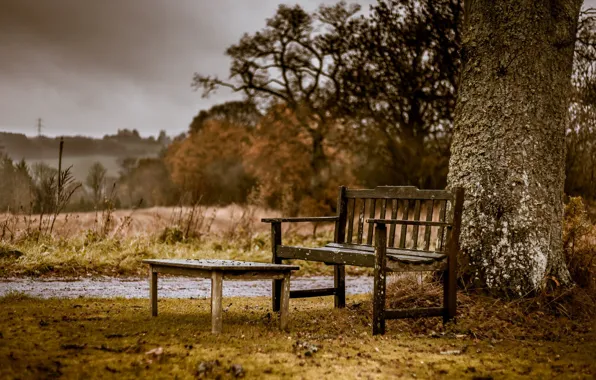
{"x":424,"y":216}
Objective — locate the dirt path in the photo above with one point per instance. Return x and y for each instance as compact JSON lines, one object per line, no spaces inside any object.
{"x":172,"y":287}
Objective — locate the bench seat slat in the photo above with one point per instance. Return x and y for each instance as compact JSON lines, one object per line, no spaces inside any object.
{"x":390,"y":251}
{"x":361,"y":258}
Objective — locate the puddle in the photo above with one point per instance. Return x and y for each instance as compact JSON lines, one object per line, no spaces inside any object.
{"x":170,"y":287}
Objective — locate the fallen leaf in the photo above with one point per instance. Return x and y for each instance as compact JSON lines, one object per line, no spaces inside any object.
{"x":155,"y":352}
{"x":73,"y":346}
{"x":451,"y":352}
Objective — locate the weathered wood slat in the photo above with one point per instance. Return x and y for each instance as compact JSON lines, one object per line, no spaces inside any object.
{"x":414,"y":313}
{"x":339,"y":272}
{"x":383,"y":210}
{"x":391,"y":251}
{"x":254,"y":275}
{"x":416,"y":226}
{"x":285,"y":303}
{"x":404,"y":227}
{"x":312,"y":293}
{"x":408,"y":222}
{"x":351,"y":206}
{"x":342,"y":216}
{"x":226,"y":265}
{"x":153,"y":291}
{"x":380,"y":283}
{"x":181,"y":271}
{"x":328,"y":255}
{"x":369,"y":235}
{"x":315,"y":219}
{"x":428,"y":229}
{"x":440,"y":235}
{"x":394,"y":207}
{"x":216,"y":298}
{"x":361,"y":221}
{"x":339,"y":280}
{"x":399,"y":192}
{"x":276,"y":287}
{"x":206,"y":273}
{"x":348,"y":256}
{"x":450,"y":275}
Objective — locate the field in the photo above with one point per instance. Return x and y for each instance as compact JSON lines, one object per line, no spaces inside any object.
{"x":88,"y":244}
{"x":548,"y":335}
{"x":94,"y":338}
{"x":152,"y":221}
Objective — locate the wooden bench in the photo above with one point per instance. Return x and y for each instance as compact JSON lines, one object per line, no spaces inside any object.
{"x":217,"y":271}
{"x":427,"y":240}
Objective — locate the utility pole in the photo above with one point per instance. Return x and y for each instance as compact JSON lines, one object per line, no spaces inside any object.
{"x":39,"y":126}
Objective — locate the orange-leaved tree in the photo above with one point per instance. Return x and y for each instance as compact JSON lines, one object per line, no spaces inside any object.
{"x":208,"y":163}
{"x":279,"y":158}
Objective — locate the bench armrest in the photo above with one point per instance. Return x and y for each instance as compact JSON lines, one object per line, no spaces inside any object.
{"x":301,"y":219}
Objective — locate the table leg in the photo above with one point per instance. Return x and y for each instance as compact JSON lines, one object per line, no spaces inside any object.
{"x":285,"y":302}
{"x":153,"y":291}
{"x":216,"y":295}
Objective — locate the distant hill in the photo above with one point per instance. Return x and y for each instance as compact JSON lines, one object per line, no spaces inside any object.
{"x":81,"y":151}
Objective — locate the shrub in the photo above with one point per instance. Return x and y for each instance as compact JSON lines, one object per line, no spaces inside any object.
{"x":579,"y":242}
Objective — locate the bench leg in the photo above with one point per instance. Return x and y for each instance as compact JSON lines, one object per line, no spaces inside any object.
{"x":285,"y":302}
{"x":340,"y":285}
{"x":153,"y":291}
{"x":380,"y":277}
{"x":276,"y":294}
{"x":216,"y":299}
{"x":449,"y":293}
{"x":277,"y":284}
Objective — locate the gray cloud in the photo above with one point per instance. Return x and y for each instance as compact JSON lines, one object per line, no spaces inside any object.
{"x":91,"y":67}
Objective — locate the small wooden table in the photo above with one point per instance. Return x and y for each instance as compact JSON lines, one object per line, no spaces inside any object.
{"x":217,"y":270}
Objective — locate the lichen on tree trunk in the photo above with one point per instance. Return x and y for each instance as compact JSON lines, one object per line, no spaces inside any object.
{"x":508,"y":145}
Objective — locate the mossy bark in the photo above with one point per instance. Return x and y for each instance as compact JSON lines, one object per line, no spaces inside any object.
{"x":508,"y":146}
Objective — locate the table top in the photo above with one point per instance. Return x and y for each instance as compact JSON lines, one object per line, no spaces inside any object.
{"x":224,"y":265}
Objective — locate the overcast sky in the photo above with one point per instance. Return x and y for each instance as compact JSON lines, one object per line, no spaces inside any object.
{"x":91,"y":67}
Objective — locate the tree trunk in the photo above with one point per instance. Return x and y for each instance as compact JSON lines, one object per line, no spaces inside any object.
{"x":318,"y":162}
{"x":508,"y":148}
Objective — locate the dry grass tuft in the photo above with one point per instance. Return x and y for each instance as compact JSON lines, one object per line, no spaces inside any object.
{"x":579,"y":241}
{"x":563,"y":314}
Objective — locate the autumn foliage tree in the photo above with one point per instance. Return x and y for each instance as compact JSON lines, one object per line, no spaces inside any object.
{"x":296,"y":61}
{"x":208,"y":163}
{"x":278,"y":157}
{"x":355,"y":100}
{"x":401,"y":82}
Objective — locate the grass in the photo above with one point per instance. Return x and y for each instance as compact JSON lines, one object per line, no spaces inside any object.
{"x":549,"y":335}
{"x":77,"y":249}
{"x":95,"y":338}
{"x":122,"y":256}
